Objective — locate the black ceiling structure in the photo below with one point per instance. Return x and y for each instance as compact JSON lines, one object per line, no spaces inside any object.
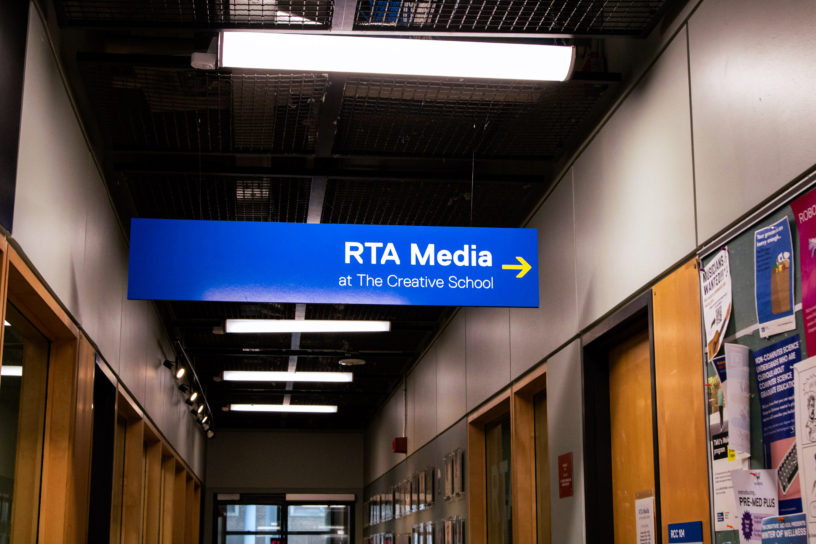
{"x":246,"y":145}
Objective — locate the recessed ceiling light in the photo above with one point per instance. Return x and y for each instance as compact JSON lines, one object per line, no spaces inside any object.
{"x":303,"y":325}
{"x":296,"y":408}
{"x":276,"y":376}
{"x":396,"y":56}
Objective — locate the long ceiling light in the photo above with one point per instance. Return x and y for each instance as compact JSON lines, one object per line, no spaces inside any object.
{"x":272,"y":376}
{"x":396,"y":56}
{"x":303,"y":325}
{"x":295,"y":408}
{"x":11,"y":370}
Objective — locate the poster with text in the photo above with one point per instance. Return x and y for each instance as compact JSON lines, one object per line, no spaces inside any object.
{"x":755,"y":499}
{"x":715,"y":284}
{"x":644,"y":520}
{"x":724,"y":459}
{"x":804,"y":209}
{"x":774,"y":375}
{"x":737,"y":402}
{"x":785,"y":530}
{"x":804,"y":396}
{"x":773,"y":277}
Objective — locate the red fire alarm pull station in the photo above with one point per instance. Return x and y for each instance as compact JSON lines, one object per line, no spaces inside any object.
{"x":400,"y":444}
{"x":565,"y":475}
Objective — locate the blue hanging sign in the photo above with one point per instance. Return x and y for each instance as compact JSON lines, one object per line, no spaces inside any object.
{"x":336,"y":264}
{"x":686,"y":533}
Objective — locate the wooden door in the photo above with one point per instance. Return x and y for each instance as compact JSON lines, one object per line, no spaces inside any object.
{"x":631,"y":444}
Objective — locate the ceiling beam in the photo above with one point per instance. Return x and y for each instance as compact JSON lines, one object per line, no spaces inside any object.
{"x":374,"y":168}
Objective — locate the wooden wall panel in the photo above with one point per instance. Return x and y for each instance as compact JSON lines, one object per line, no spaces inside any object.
{"x":133,"y":485}
{"x":476,"y":482}
{"x":179,"y":504}
{"x":680,"y":408}
{"x":522,"y":450}
{"x":153,"y":492}
{"x":632,"y":445}
{"x":168,"y":500}
{"x":196,"y":528}
{"x":189,"y":508}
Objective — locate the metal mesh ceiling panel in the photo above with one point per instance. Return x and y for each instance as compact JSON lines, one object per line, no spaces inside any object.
{"x":220,"y":198}
{"x":495,"y":204}
{"x":450,"y":118}
{"x":144,"y":107}
{"x":542,"y":16}
{"x":198,"y":13}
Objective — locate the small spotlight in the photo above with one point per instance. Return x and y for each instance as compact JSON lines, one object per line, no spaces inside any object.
{"x":180,"y":371}
{"x":204,"y":419}
{"x":210,"y":433}
{"x":168,"y":363}
{"x":194,"y":396}
{"x":200,"y":409}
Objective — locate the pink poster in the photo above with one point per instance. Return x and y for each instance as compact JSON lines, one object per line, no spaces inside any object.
{"x":804,"y":210}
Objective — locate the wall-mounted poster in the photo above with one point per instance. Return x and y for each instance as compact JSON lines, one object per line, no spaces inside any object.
{"x":804,"y":209}
{"x":715,"y":284}
{"x":756,"y":499}
{"x":773,"y":277}
{"x":644,"y":520}
{"x":790,"y":529}
{"x":458,"y":472}
{"x":774,"y":375}
{"x":448,"y":471}
{"x":737,"y":403}
{"x":804,"y":396}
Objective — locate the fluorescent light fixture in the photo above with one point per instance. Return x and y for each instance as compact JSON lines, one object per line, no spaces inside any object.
{"x":11,"y":370}
{"x":396,"y":56}
{"x":303,"y":325}
{"x":298,"y":408}
{"x":269,"y":376}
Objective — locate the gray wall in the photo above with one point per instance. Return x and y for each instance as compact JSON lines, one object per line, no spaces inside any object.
{"x":720,"y":122}
{"x":66,"y":226}
{"x":284,"y":462}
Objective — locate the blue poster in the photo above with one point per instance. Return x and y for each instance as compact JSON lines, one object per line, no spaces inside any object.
{"x":774,"y":375}
{"x":686,"y":533}
{"x":785,"y":530}
{"x":243,"y":261}
{"x":773,"y":276}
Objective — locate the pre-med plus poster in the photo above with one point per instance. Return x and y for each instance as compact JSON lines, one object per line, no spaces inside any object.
{"x":715,"y":284}
{"x":773,"y":277}
{"x":804,"y":396}
{"x":755,"y":498}
{"x":804,"y":209}
{"x":774,"y":375}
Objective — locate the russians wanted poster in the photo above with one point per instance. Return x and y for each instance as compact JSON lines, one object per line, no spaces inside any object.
{"x":774,"y":375}
{"x":755,"y":498}
{"x":804,"y":396}
{"x":715,"y":284}
{"x":773,"y":278}
{"x":804,"y":209}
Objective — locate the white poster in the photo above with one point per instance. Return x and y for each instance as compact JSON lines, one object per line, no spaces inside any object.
{"x":644,"y":520}
{"x":715,"y":284}
{"x":804,"y":397}
{"x":725,"y":514}
{"x":737,"y":403}
{"x":755,"y":499}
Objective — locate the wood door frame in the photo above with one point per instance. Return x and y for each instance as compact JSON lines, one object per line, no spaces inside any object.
{"x":634,"y":317}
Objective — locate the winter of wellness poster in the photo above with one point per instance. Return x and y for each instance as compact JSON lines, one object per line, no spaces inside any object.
{"x":774,"y":375}
{"x":773,"y":276}
{"x":804,"y":210}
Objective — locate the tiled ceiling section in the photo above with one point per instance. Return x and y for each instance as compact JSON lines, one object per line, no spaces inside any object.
{"x":303,"y":14}
{"x":453,"y":118}
{"x":242,"y":145}
{"x":519,"y":16}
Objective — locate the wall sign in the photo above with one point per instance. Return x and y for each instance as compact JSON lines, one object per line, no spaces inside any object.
{"x":565,"y":475}
{"x":686,"y":533}
{"x":773,"y":275}
{"x":337,"y":264}
{"x":785,"y":530}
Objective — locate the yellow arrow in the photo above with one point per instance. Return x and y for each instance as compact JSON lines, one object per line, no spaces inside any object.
{"x":523,"y":268}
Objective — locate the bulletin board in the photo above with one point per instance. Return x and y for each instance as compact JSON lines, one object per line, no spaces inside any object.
{"x":743,"y":329}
